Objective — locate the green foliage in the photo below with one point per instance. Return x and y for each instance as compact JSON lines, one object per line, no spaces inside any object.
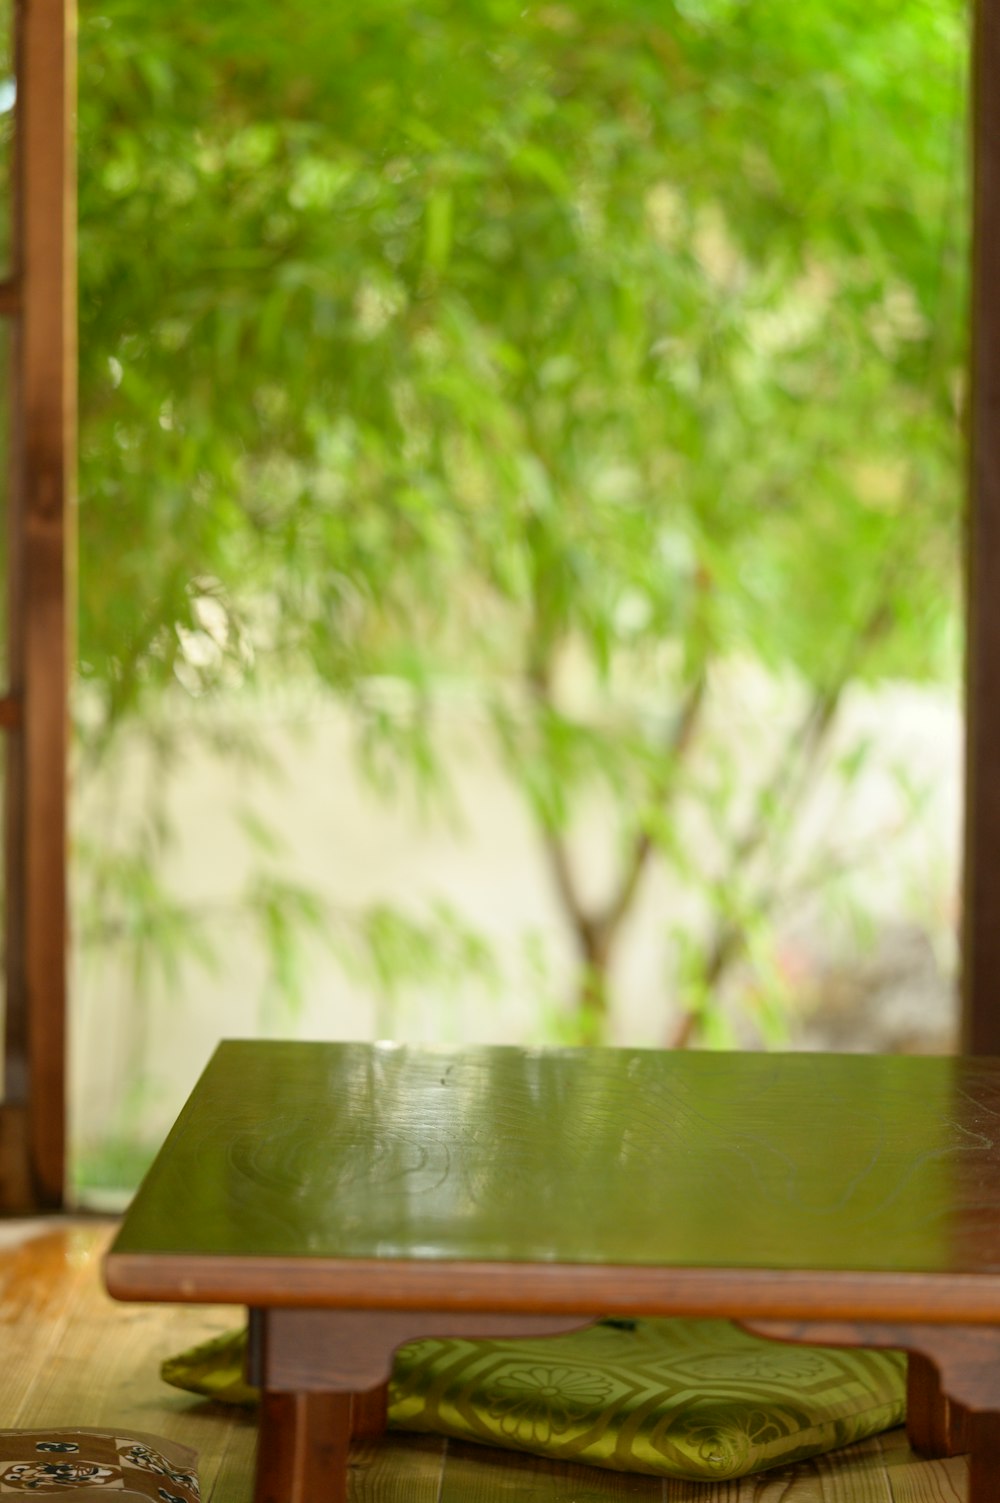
{"x":105,"y":1177}
{"x":563,"y":351}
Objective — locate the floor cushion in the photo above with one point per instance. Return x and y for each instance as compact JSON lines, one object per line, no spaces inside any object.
{"x":698,"y":1399}
{"x":96,"y":1464}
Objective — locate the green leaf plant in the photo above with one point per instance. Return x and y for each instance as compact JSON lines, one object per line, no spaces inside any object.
{"x":571,"y":353}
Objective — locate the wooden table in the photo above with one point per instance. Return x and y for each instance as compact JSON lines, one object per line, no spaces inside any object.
{"x":357,"y":1196}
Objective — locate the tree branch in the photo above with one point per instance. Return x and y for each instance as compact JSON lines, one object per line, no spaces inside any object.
{"x":789,"y":781}
{"x":676,"y":748}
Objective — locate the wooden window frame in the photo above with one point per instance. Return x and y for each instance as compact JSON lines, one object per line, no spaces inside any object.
{"x":39,"y":302}
{"x":981,"y":878}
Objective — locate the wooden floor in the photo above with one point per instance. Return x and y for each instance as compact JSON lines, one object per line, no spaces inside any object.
{"x":71,"y":1356}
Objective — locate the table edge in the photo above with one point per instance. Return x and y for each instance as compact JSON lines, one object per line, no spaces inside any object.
{"x":554,"y":1288}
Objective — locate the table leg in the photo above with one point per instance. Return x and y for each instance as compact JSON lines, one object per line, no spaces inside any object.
{"x":370,"y":1412}
{"x":956,"y":1384}
{"x":302,"y":1447}
{"x":935,"y":1424}
{"x":984,"y":1458}
{"x":323,"y":1375}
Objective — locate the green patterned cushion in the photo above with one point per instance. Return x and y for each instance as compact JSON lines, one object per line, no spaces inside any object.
{"x":213,"y":1369}
{"x":682,"y":1398}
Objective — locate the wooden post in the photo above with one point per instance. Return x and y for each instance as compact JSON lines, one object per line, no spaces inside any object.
{"x":43,"y":462}
{"x":981,"y":937}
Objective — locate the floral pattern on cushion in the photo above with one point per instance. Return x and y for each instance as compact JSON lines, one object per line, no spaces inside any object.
{"x":93,"y":1463}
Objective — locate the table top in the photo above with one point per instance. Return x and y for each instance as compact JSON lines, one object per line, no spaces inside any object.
{"x":557,"y":1179}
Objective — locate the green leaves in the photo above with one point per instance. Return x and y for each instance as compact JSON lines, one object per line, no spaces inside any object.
{"x":566,"y":353}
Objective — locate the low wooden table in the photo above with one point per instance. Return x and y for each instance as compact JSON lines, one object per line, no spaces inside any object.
{"x":358,"y":1196}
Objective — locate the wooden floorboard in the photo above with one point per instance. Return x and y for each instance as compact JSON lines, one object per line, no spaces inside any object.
{"x":71,"y":1356}
{"x":398,"y":1469}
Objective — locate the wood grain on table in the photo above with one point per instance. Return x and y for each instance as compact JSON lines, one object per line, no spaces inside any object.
{"x":561,"y":1165}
